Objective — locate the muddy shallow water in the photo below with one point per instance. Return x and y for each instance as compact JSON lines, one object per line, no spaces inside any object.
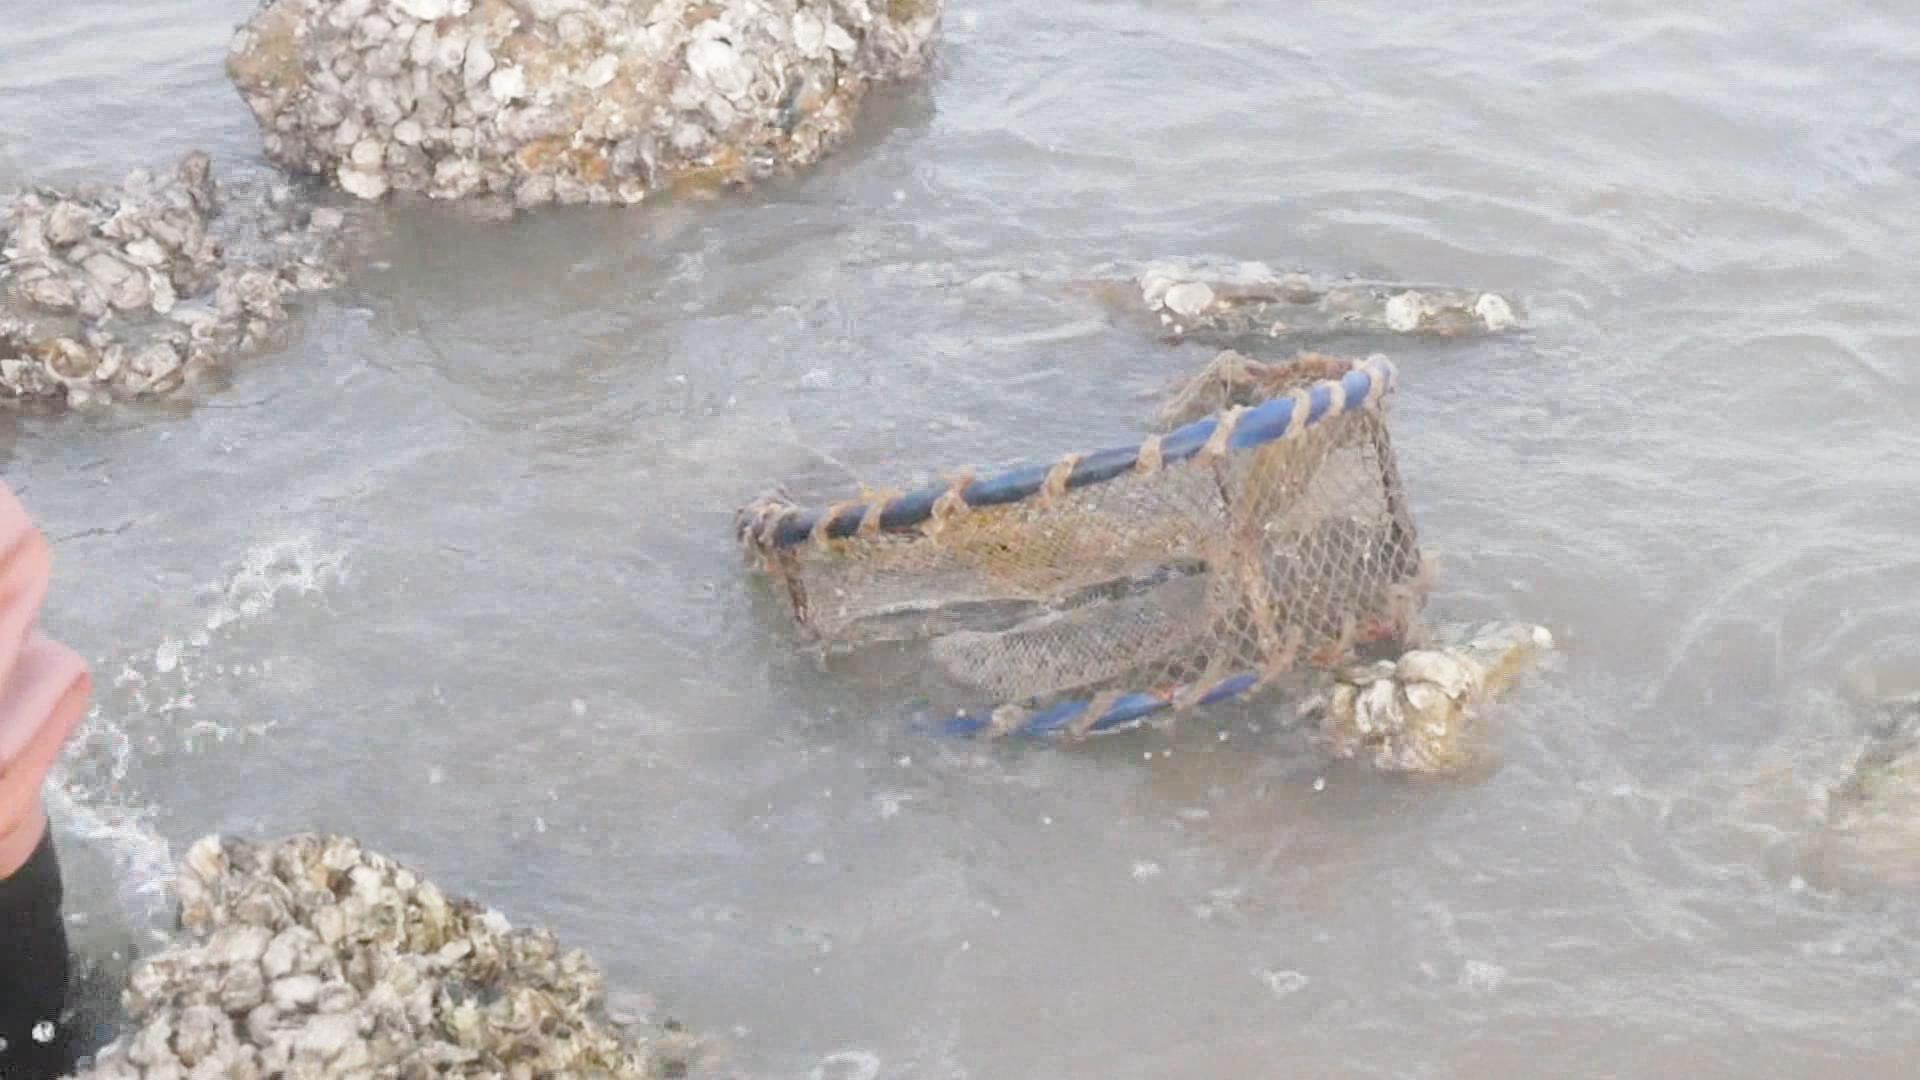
{"x":453,"y":571}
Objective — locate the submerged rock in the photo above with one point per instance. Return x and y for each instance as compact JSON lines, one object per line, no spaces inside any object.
{"x":1243,"y":303}
{"x":126,"y":292}
{"x":1872,"y":816}
{"x":1414,"y":714}
{"x":565,"y":101}
{"x":316,"y":957}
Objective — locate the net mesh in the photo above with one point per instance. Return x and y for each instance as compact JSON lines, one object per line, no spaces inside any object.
{"x":1168,"y":579}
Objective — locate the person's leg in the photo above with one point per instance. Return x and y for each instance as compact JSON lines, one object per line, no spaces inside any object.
{"x":34,"y":968}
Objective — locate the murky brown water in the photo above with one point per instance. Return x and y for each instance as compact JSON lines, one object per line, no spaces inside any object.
{"x":453,"y":572}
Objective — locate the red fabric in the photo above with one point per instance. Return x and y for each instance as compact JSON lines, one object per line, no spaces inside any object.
{"x":44,"y":686}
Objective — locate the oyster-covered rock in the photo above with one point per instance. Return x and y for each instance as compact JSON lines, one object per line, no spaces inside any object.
{"x":1414,"y":714}
{"x":564,"y":101}
{"x":1244,"y":303}
{"x":130,"y":291}
{"x":316,"y":957}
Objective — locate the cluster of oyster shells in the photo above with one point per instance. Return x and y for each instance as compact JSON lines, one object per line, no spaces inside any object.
{"x":1415,"y":714}
{"x":315,"y":957}
{"x":1226,"y":303}
{"x":128,"y":291}
{"x":564,"y":101}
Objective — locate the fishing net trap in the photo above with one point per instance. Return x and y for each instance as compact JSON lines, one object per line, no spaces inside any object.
{"x":1269,"y":535}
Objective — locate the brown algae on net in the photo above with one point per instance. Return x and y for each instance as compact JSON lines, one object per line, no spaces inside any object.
{"x":1232,"y":378}
{"x":316,"y":957}
{"x":565,"y":101}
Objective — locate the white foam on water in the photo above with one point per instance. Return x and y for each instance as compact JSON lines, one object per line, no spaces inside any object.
{"x":847,"y":1065}
{"x":1284,"y":982}
{"x":267,"y":570}
{"x":162,"y":682}
{"x":142,"y":711}
{"x":142,"y":858}
{"x":1481,"y":977}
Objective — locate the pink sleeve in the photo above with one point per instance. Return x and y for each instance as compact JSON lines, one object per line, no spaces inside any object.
{"x":44,"y":686}
{"x":25,"y":563}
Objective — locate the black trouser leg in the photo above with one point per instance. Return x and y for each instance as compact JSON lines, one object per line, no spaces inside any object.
{"x":34,"y":968}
